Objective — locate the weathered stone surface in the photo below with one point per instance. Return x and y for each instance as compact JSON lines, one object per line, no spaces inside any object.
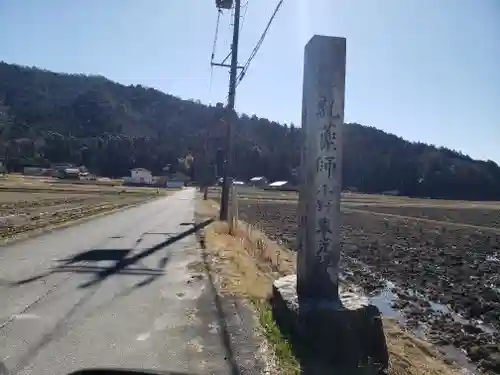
{"x":332,"y":330}
{"x":345,"y":335}
{"x":321,"y":160}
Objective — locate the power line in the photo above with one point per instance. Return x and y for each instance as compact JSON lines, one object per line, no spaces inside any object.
{"x":259,"y":43}
{"x":244,"y":15}
{"x":214,"y":49}
{"x":231,"y":19}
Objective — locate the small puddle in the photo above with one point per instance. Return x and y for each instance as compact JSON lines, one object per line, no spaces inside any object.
{"x":384,"y":301}
{"x":486,"y":328}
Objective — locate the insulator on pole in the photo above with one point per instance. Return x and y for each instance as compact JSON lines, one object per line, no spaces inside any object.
{"x":224,"y":4}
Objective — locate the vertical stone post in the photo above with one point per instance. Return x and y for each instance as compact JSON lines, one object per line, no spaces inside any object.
{"x":337,"y":330}
{"x":319,"y":197}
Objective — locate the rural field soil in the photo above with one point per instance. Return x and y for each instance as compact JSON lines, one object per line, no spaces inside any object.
{"x":26,"y":207}
{"x":442,"y":280}
{"x":486,"y":217}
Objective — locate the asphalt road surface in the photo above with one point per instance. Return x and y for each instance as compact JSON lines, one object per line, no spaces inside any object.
{"x":120,"y":290}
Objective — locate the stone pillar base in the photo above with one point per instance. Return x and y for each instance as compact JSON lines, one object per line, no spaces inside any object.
{"x":347,"y":337}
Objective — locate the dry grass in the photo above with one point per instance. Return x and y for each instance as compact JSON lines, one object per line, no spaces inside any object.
{"x":246,"y":265}
{"x":247,"y":272}
{"x":412,"y":356}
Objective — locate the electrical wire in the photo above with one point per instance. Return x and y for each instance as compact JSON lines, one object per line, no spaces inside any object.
{"x":216,"y":36}
{"x":231,"y":24}
{"x":244,"y":15}
{"x":259,"y":43}
{"x":214,"y":49}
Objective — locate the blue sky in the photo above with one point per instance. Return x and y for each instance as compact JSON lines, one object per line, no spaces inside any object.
{"x":426,"y":70}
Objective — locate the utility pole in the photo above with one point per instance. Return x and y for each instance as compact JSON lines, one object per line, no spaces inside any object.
{"x":230,"y":114}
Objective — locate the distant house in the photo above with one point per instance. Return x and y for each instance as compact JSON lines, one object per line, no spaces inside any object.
{"x":57,"y":169}
{"x":33,"y":171}
{"x":83,"y":169}
{"x":62,"y":165}
{"x":258,"y":181}
{"x":87,"y":176}
{"x":69,"y":173}
{"x":220,"y":182}
{"x":281,"y":185}
{"x":177,"y":180}
{"x":140,"y":176}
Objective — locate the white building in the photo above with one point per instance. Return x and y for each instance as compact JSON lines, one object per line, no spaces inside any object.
{"x":281,"y":185}
{"x":141,"y":176}
{"x":258,"y":181}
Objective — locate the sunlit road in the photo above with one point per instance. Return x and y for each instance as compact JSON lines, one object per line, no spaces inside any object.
{"x":120,"y":290}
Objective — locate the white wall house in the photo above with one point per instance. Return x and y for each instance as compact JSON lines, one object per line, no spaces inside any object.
{"x":281,"y":185}
{"x":258,"y":181}
{"x":141,"y":176}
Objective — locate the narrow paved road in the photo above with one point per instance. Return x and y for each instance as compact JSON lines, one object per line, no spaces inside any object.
{"x":119,"y":290}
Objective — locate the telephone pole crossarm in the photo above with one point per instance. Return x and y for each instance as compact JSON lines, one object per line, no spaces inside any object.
{"x":226,"y":65}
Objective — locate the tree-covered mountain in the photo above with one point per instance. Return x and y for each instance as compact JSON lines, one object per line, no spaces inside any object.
{"x":49,"y":117}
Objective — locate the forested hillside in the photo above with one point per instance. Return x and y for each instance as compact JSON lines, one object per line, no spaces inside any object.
{"x":48,"y":117}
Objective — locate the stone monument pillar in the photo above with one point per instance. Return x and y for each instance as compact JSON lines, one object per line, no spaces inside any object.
{"x":340,"y":330}
{"x":319,"y":199}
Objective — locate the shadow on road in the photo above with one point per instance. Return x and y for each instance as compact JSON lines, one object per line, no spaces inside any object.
{"x":29,"y":279}
{"x":120,"y":257}
{"x":123,"y":263}
{"x":122,"y":371}
{"x":97,"y":255}
{"x":121,"y":266}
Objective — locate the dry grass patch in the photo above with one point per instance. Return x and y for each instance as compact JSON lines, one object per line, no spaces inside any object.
{"x":238,"y":271}
{"x":244,"y":268}
{"x":411,"y":356}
